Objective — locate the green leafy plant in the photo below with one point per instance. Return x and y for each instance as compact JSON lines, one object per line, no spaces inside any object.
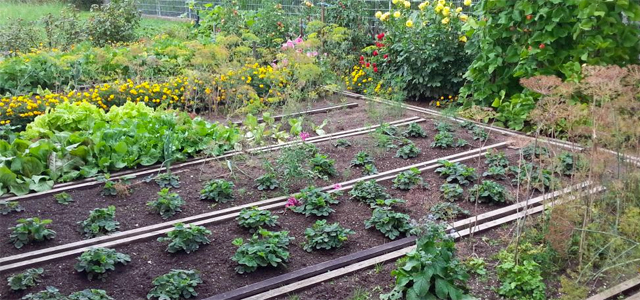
{"x":90,"y":294}
{"x":451,"y":191}
{"x":442,"y":127}
{"x":414,"y":130}
{"x":520,"y":281}
{"x":392,"y":224}
{"x":186,"y":238}
{"x":497,"y":172}
{"x":168,"y":180}
{"x":254,"y":218}
{"x":322,"y":166}
{"x":63,"y":198}
{"x":408,"y":151}
{"x":25,"y":280}
{"x":362,"y":158}
{"x":368,"y":192}
{"x":534,"y":177}
{"x":489,"y":191}
{"x":115,"y":21}
{"x":408,"y":179}
{"x":175,"y":285}
{"x":532,"y":151}
{"x":369,"y":169}
{"x":468,"y":125}
{"x":314,"y":202}
{"x":496,"y":159}
{"x":325,"y":236}
{"x":218,"y":190}
{"x":122,"y":187}
{"x":268,"y":181}
{"x":264,"y":248}
{"x":476,"y":265}
{"x":431,"y":271}
{"x":567,"y":163}
{"x":291,"y":165}
{"x":447,"y":211}
{"x":387,"y":129}
{"x":49,"y":293}
{"x":342,"y":143}
{"x":97,"y":261}
{"x":387,"y":202}
{"x":30,"y":230}
{"x":7,"y":207}
{"x":167,"y":204}
{"x":456,"y":172}
{"x":480,"y":134}
{"x":101,"y":221}
{"x":446,"y":139}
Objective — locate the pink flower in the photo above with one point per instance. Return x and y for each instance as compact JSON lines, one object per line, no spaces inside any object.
{"x":337,"y":186}
{"x":292,"y":201}
{"x":298,"y":40}
{"x":312,"y":53}
{"x":304,"y":136}
{"x":287,"y":45}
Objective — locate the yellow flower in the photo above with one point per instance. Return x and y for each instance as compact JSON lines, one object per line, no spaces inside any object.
{"x":396,"y":14}
{"x":384,"y":17}
{"x":378,"y":14}
{"x":459,"y":9}
{"x":409,"y":23}
{"x":463,"y":38}
{"x":394,"y":1}
{"x":423,"y":5}
{"x":407,"y":4}
{"x":446,"y":11}
{"x":445,"y":21}
{"x":439,"y":8}
{"x":442,"y":2}
{"x":467,"y":2}
{"x":463,"y":17}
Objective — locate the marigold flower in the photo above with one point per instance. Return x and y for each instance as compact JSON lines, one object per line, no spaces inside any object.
{"x":396,"y":14}
{"x":423,"y":5}
{"x":394,"y":1}
{"x":409,"y":23}
{"x":446,"y":11}
{"x":439,"y":8}
{"x":459,"y":9}
{"x":407,"y":4}
{"x":463,"y":17}
{"x":445,"y":21}
{"x":463,"y":38}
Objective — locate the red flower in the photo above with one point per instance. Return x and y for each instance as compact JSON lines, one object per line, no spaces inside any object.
{"x":375,"y":52}
{"x":374,"y":65}
{"x":380,"y":36}
{"x":542,"y":46}
{"x":361,"y":58}
{"x":386,"y":56}
{"x":368,"y":65}
{"x":375,"y":69}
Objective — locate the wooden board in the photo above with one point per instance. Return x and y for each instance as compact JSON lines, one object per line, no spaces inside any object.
{"x":309,"y":112}
{"x":618,"y":289}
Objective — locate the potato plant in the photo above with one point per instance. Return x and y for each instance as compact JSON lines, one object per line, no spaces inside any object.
{"x":263,"y":249}
{"x":97,"y":261}
{"x":25,"y":280}
{"x":218,"y":190}
{"x":167,"y":204}
{"x":101,"y":221}
{"x":254,"y":218}
{"x":368,"y":192}
{"x":187,"y":238}
{"x":30,"y":230}
{"x":392,"y":224}
{"x":175,"y":285}
{"x":314,"y":202}
{"x":325,"y":236}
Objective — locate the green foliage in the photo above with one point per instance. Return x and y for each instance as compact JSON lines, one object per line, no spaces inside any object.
{"x":175,"y":285}
{"x":167,"y":204}
{"x":456,"y":172}
{"x":268,"y":181}
{"x":186,"y":238}
{"x":25,"y":280}
{"x":361,"y":159}
{"x":480,"y":134}
{"x":7,"y":207}
{"x":50,"y":293}
{"x":447,"y":211}
{"x":369,"y":169}
{"x":84,"y":4}
{"x":496,"y":159}
{"x":254,"y":218}
{"x":101,"y":221}
{"x":568,"y":163}
{"x":533,"y":177}
{"x":109,"y":188}
{"x":392,"y":224}
{"x":63,"y":198}
{"x":387,"y":129}
{"x":497,"y":172}
{"x":97,"y":261}
{"x":168,"y":180}
{"x":368,"y":192}
{"x":322,"y":166}
{"x":533,"y":150}
{"x":414,"y":130}
{"x":446,"y":140}
{"x":387,"y":202}
{"x":113,"y":22}
{"x":218,"y":190}
{"x":408,"y":151}
{"x":408,"y":179}
{"x":325,"y":236}
{"x":30,"y":230}
{"x":519,"y":281}
{"x":314,"y":202}
{"x":342,"y":143}
{"x":90,"y":294}
{"x":451,"y":191}
{"x":489,"y":191}
{"x":264,"y":248}
{"x":442,"y":126}
{"x":291,"y":165}
{"x":477,"y":266}
{"x":431,"y":271}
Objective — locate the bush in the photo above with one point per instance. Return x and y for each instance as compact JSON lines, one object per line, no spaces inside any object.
{"x":456,"y":172}
{"x":7,"y":207}
{"x":186,"y":238}
{"x":219,"y":190}
{"x":101,"y":221}
{"x":30,"y":230}
{"x":90,"y":294}
{"x":175,"y":285}
{"x":520,"y":281}
{"x":489,"y":191}
{"x":113,"y":22}
{"x":325,"y":236}
{"x":368,"y":192}
{"x":264,"y":248}
{"x":25,"y":280}
{"x":254,"y":218}
{"x":97,"y":261}
{"x":167,"y":204}
{"x":63,"y":198}
{"x":408,"y":179}
{"x":314,"y":202}
{"x":268,"y":181}
{"x":323,"y":167}
{"x":451,"y":191}
{"x":392,"y":224}
{"x":408,"y":151}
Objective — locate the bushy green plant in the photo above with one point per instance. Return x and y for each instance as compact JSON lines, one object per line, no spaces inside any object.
{"x":476,"y":265}
{"x":113,"y":22}
{"x":167,"y":204}
{"x":325,"y":236}
{"x":264,"y":248}
{"x":30,"y":230}
{"x":342,"y":143}
{"x":218,"y":190}
{"x":414,"y":130}
{"x":408,"y":151}
{"x":168,"y":180}
{"x":408,"y":179}
{"x":7,"y":207}
{"x":369,"y":169}
{"x":451,"y":191}
{"x":101,"y":221}
{"x":520,"y":281}
{"x":447,"y":211}
{"x":115,"y":188}
{"x":85,"y":4}
{"x":97,"y":261}
{"x":268,"y":181}
{"x":480,"y":134}
{"x":533,"y":177}
{"x":361,"y":159}
{"x":431,"y":271}
{"x":314,"y":202}
{"x":63,"y":198}
{"x":28,"y":278}
{"x":368,"y":192}
{"x":567,"y":163}
{"x":446,"y":140}
{"x":254,"y":218}
{"x":456,"y":172}
{"x":386,"y":202}
{"x":387,"y":129}
{"x":496,"y":158}
{"x":533,"y":150}
{"x":442,"y":126}
{"x":392,"y":224}
{"x":322,"y":166}
{"x":49,"y":293}
{"x":497,"y":172}
{"x":90,"y":294}
{"x":291,"y":165}
{"x":186,"y":238}
{"x":489,"y":191}
{"x":175,"y":285}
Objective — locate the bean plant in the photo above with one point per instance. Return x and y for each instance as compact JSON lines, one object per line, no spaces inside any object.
{"x":325,"y":236}
{"x":30,"y":230}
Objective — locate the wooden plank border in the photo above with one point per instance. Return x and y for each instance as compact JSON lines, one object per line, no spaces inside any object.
{"x":309,"y":112}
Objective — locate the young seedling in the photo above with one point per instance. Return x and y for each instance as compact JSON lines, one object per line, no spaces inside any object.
{"x":63,"y":198}
{"x":7,"y":207}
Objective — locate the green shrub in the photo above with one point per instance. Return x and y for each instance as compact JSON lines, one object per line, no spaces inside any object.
{"x":264,"y":248}
{"x":408,"y":151}
{"x":442,"y":127}
{"x":456,"y":172}
{"x":314,"y":202}
{"x":113,"y":22}
{"x":168,"y":180}
{"x":219,"y":190}
{"x":361,"y":159}
{"x":392,"y":224}
{"x":520,"y":281}
{"x":167,"y":204}
{"x":254,"y":218}
{"x":49,"y":293}
{"x":323,"y":167}
{"x":101,"y":221}
{"x":97,"y":261}
{"x":25,"y":280}
{"x":408,"y":179}
{"x":368,"y":192}
{"x":186,"y":238}
{"x":446,"y":140}
{"x":63,"y":198}
{"x":30,"y":230}
{"x":268,"y":181}
{"x":451,"y":191}
{"x":431,"y":271}
{"x":175,"y":285}
{"x":90,"y":294}
{"x":325,"y":236}
{"x":447,"y":211}
{"x":7,"y":207}
{"x":414,"y":130}
{"x":489,"y":191}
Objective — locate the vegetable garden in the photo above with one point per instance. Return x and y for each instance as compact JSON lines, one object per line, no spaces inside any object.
{"x":429,"y":152}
